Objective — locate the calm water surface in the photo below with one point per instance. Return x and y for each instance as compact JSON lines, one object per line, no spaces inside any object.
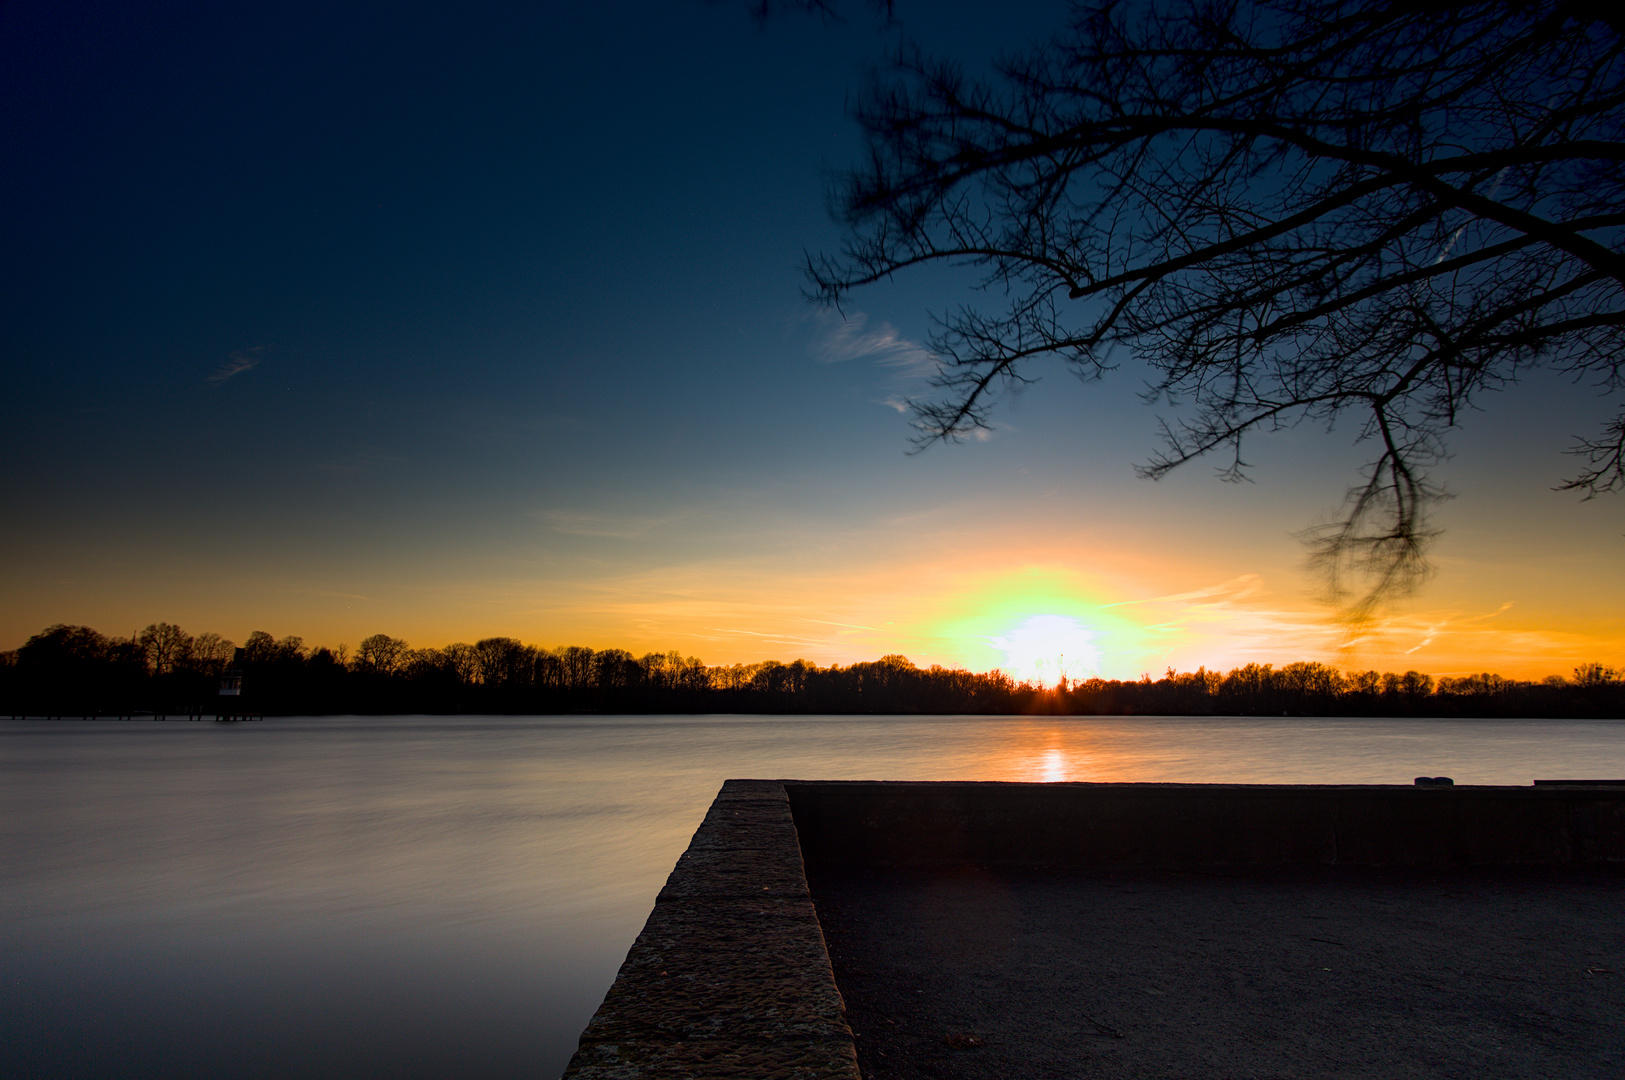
{"x":450,"y":896}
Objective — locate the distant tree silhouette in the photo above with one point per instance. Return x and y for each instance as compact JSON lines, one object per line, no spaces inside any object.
{"x":503,"y":661}
{"x":211,"y":652}
{"x":262,"y":648}
{"x":1408,"y":690}
{"x":549,"y":671}
{"x":1594,"y":674}
{"x":1367,"y":683}
{"x":380,"y":653}
{"x":614,"y":670}
{"x":1308,"y":687}
{"x":74,"y":670}
{"x":1249,"y":689}
{"x":64,"y":648}
{"x":576,"y":668}
{"x":166,"y":647}
{"x":1289,"y":209}
{"x":463,"y":662}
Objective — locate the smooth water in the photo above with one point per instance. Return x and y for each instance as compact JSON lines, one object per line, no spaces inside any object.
{"x":450,"y":896}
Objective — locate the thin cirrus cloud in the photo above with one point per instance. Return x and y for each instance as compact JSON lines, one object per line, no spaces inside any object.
{"x":1237,"y":588}
{"x":241,"y":360}
{"x":851,"y":338}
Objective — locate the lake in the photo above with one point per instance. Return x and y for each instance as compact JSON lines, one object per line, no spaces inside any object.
{"x":451,"y":896}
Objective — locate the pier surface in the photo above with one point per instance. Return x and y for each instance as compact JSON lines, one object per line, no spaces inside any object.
{"x":1301,"y":972}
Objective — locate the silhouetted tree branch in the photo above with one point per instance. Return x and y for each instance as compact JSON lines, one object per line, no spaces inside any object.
{"x":1289,"y":209}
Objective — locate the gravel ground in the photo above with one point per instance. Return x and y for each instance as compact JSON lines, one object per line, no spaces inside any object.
{"x":1331,"y":972}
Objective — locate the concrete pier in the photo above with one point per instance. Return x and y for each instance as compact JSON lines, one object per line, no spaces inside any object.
{"x":986,"y":928}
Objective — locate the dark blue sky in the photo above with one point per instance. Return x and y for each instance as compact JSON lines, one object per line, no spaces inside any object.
{"x":455,"y":320}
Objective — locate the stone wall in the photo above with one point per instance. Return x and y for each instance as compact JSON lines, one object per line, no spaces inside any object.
{"x":1069,"y":825}
{"x":730,"y":976}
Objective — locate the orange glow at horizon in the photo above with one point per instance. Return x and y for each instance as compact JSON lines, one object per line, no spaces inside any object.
{"x":1034,"y":619}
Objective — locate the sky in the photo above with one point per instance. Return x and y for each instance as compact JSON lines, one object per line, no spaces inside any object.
{"x":453,"y":321}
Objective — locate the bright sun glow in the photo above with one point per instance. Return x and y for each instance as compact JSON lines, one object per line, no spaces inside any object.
{"x":1048,"y":648}
{"x":1041,"y":624}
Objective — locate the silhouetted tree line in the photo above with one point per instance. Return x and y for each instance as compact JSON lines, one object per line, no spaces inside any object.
{"x":1313,"y":689}
{"x":75,"y":671}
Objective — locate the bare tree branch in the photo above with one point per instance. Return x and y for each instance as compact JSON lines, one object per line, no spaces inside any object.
{"x":1288,"y":209}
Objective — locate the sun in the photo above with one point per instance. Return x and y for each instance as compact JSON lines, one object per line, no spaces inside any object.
{"x":1045,"y":649}
{"x":1040,"y":624}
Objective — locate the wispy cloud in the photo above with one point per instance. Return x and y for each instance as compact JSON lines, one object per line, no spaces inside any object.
{"x":1423,"y":631}
{"x":240,"y":361}
{"x":1432,"y":632}
{"x":1237,"y":588}
{"x":843,"y":625}
{"x":802,"y":643}
{"x":851,"y":338}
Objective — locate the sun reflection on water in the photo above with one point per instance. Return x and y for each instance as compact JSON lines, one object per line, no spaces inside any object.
{"x":1051,"y":755}
{"x":1054,"y":767}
